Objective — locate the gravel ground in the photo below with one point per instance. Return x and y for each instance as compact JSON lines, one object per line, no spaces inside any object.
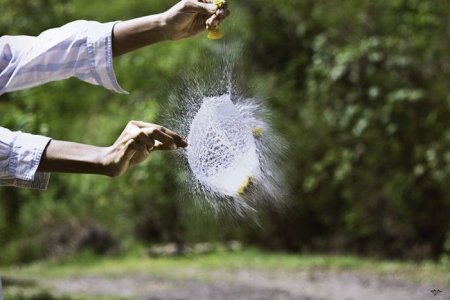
{"x":251,"y":284}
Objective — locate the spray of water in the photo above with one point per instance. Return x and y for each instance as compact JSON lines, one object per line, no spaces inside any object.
{"x":222,"y":153}
{"x":234,"y":158}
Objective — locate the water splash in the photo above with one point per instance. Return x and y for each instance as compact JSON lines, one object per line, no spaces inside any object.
{"x":234,"y":158}
{"x":222,"y":150}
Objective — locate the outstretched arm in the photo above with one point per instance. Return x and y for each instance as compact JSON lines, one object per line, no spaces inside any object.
{"x":133,"y":146}
{"x":85,"y":48}
{"x":185,"y":19}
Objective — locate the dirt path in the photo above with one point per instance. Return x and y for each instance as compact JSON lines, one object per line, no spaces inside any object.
{"x":251,"y":284}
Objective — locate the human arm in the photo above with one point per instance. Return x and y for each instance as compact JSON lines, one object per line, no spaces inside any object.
{"x":85,"y":49}
{"x":185,"y":19}
{"x":133,"y":146}
{"x":26,"y":160}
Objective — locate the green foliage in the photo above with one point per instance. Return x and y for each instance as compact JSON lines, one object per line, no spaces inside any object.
{"x":31,"y":17}
{"x":358,"y":88}
{"x":361,"y":88}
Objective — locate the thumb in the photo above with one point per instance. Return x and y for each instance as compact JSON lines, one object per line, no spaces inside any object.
{"x":130,"y":150}
{"x":162,"y":146}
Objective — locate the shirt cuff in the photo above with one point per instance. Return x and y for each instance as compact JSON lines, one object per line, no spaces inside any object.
{"x":40,"y":182}
{"x":100,"y":56}
{"x":24,"y":161}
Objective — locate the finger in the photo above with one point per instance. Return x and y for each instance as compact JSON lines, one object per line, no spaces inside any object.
{"x":130,"y":150}
{"x":149,"y":128}
{"x":159,"y":146}
{"x":222,"y":13}
{"x":162,"y":146}
{"x":146,"y":140}
{"x":212,"y":22}
{"x":209,"y":21}
{"x":200,"y":7}
{"x":142,"y":124}
{"x":179,"y":141}
{"x":134,"y":132}
{"x":141,"y":152}
{"x":137,"y":146}
{"x":167,"y":140}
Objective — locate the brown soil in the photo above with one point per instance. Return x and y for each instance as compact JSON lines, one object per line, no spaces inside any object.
{"x":251,"y":284}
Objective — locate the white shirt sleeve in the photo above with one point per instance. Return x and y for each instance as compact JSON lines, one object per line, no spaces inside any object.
{"x":20,"y":155}
{"x":81,"y":48}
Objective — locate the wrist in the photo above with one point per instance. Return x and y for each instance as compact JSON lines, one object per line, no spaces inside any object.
{"x":160,"y":27}
{"x":107,"y":162}
{"x":167,"y":29}
{"x":140,"y":32}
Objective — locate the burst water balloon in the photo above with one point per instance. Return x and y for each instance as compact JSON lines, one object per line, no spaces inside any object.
{"x":234,"y":157}
{"x":222,"y":150}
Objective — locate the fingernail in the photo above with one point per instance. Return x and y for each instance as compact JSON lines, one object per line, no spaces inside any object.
{"x":213,"y":9}
{"x":220,"y":13}
{"x":182,"y":144}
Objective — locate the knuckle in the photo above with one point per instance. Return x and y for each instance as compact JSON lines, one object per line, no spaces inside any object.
{"x":141,"y":134}
{"x":188,"y":3}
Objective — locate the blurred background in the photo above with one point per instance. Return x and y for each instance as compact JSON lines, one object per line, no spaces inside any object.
{"x":359,"y":89}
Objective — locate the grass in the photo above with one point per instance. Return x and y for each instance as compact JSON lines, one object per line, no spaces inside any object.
{"x":136,"y":262}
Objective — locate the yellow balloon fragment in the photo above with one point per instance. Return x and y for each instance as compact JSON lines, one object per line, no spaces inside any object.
{"x":214,"y":33}
{"x":245,"y":185}
{"x":257,"y":132}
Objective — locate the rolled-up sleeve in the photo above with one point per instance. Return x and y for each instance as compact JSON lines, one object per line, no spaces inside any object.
{"x":80,"y":49}
{"x":20,"y":155}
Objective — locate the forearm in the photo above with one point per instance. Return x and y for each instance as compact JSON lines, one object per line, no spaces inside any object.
{"x":133,"y":146}
{"x":137,"y":33}
{"x":69,"y":157}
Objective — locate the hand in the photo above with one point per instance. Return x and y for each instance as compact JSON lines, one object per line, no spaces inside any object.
{"x":189,"y":17}
{"x":135,"y":144}
{"x":184,"y":19}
